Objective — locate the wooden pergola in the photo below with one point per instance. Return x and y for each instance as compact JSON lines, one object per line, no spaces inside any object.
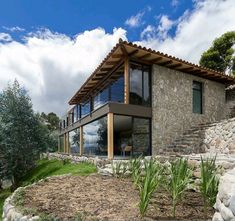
{"x":119,"y":57}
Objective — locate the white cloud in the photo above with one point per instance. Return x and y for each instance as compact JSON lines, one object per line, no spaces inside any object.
{"x":53,"y":66}
{"x":136,"y":20}
{"x":14,"y":29}
{"x":5,"y":37}
{"x":195,"y":30}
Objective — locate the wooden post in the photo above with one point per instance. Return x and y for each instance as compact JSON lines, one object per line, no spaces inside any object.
{"x":110,"y":136}
{"x":126,"y":81}
{"x":81,"y":141}
{"x":65,"y":143}
{"x":68,"y":143}
{"x":59,"y":144}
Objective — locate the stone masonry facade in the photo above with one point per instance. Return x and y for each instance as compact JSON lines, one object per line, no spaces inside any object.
{"x":172,"y":102}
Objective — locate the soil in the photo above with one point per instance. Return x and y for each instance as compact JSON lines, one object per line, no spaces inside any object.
{"x":97,"y":197}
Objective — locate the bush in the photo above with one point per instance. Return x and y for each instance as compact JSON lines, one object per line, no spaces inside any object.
{"x":135,"y":169}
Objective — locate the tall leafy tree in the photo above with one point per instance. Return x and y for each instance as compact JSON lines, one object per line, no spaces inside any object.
{"x":220,"y":56}
{"x":22,"y":136}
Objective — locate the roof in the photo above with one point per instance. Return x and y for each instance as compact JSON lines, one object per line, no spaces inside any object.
{"x":122,"y":49}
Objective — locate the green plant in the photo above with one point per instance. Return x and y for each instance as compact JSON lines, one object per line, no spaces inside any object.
{"x":135,"y":169}
{"x":65,"y":161}
{"x":179,"y":178}
{"x":209,"y":182}
{"x":116,"y":168}
{"x":149,"y":183}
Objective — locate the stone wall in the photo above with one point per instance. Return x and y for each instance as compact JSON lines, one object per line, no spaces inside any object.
{"x":220,"y":138}
{"x":172,"y":104}
{"x":225,"y":200}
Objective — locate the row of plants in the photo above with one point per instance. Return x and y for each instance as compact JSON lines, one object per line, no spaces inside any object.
{"x":150,"y":175}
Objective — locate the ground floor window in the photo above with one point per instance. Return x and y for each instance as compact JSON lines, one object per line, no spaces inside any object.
{"x":95,"y":138}
{"x":74,"y":141}
{"x":131,"y":136}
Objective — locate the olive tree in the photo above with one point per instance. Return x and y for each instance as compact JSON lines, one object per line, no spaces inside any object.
{"x":22,"y":135}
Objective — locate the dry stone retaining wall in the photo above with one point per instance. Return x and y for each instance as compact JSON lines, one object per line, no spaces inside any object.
{"x":220,"y":137}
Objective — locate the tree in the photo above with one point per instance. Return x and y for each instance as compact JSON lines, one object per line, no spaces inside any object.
{"x":22,"y":136}
{"x":220,"y":56}
{"x":51,"y":121}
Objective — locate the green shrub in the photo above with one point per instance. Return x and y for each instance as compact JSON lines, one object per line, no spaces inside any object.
{"x":148,"y":183}
{"x":209,"y":182}
{"x":179,"y":178}
{"x":135,"y":169}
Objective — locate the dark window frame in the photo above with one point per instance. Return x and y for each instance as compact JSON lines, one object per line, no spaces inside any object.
{"x":200,"y":84}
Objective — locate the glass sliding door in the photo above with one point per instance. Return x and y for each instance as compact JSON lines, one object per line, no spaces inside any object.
{"x":74,"y":141}
{"x":131,"y":136}
{"x":95,"y":138}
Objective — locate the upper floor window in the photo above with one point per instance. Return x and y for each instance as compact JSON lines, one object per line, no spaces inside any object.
{"x":197,"y":97}
{"x":85,"y":108}
{"x":101,"y":98}
{"x":139,"y":84}
{"x":117,"y":90}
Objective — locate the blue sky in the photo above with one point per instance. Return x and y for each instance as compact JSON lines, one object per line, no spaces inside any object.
{"x":51,"y":47}
{"x":74,"y":16}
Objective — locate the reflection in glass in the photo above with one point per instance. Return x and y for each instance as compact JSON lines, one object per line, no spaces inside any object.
{"x":139,"y":84}
{"x":74,"y":141}
{"x":131,"y":136}
{"x":101,"y":98}
{"x":117,"y":90}
{"x":136,"y":85}
{"x":85,"y":108}
{"x":95,"y":137}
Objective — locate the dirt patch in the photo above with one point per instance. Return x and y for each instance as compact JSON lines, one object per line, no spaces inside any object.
{"x":104,"y":198}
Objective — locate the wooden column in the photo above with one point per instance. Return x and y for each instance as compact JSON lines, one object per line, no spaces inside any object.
{"x":59,"y":145}
{"x":65,"y":143}
{"x":68,"y":144}
{"x":126,"y":81}
{"x":81,"y":141}
{"x":110,"y":136}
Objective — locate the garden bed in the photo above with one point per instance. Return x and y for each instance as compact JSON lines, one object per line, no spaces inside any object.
{"x":98,"y":197}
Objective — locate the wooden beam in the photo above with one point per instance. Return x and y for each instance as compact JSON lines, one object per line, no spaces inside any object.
{"x":144,"y":56}
{"x":110,"y":136}
{"x":124,"y":51}
{"x":111,"y":62}
{"x":166,"y":62}
{"x":105,"y":69}
{"x":81,"y":140}
{"x":133,"y":52}
{"x":155,"y":59}
{"x":174,"y":65}
{"x":185,"y":69}
{"x":117,"y":55}
{"x":126,"y":81}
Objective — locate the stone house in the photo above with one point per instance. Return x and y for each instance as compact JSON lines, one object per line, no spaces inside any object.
{"x":141,"y":102}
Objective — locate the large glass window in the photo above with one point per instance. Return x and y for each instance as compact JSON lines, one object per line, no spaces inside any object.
{"x":197,"y":97}
{"x":139,"y":84}
{"x":85,"y":108}
{"x":101,"y":98}
{"x":95,"y":137}
{"x":131,"y":136}
{"x":117,"y":90}
{"x":74,"y":141}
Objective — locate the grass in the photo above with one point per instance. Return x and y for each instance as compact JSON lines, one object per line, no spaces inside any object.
{"x":45,"y":168}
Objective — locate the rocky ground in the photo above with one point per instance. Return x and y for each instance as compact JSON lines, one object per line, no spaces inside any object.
{"x":98,"y":197}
